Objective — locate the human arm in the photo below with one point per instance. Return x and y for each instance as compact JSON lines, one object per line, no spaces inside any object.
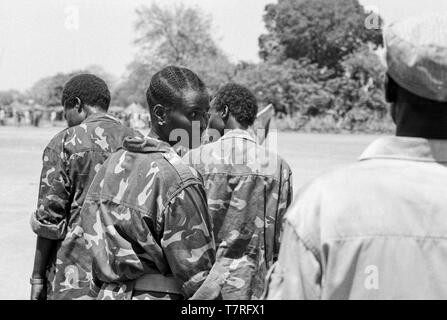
{"x":44,"y":251}
{"x":297,"y":274}
{"x":49,"y":220}
{"x":189,"y":246}
{"x":285,"y":196}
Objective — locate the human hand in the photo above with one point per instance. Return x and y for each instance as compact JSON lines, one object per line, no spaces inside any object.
{"x":39,"y":291}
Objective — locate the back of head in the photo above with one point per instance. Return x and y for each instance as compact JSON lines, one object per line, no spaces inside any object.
{"x":417,"y":74}
{"x":398,"y":93}
{"x":89,"y":89}
{"x":240,"y":101}
{"x":168,"y":86}
{"x":414,"y":115}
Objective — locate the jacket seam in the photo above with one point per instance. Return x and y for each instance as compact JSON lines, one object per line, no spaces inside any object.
{"x":244,"y":175}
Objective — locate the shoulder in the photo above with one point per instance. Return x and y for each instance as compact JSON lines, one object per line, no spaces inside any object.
{"x":203,"y":149}
{"x":179,"y":169}
{"x":201,"y":159}
{"x":115,"y":126}
{"x":330,"y":198}
{"x":271,"y":163}
{"x":142,"y":180}
{"x":112,"y":130}
{"x":273,"y":156}
{"x":166,"y":167}
{"x":332,"y":183}
{"x":57,"y":142}
{"x":76,"y":137}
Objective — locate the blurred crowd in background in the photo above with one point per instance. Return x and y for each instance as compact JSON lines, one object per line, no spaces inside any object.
{"x":133,"y":116}
{"x":324,"y":74}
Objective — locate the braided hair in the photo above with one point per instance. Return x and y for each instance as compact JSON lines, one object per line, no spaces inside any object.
{"x":169,"y":85}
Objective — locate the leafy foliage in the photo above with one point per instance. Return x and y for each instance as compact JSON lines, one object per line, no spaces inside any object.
{"x":304,"y":92}
{"x":8,"y":97}
{"x":324,"y":31}
{"x":319,"y":67}
{"x":48,"y":91}
{"x":292,"y":86}
{"x":172,"y":36}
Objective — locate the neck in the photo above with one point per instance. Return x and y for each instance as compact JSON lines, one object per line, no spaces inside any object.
{"x":157,"y":133}
{"x":422,"y":131}
{"x":232,"y":124}
{"x":94,"y":110}
{"x":424,"y":121}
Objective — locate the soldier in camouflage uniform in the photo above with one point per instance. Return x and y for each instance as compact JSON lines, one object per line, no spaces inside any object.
{"x":249,"y":189}
{"x":145,"y":219}
{"x":70,"y":162}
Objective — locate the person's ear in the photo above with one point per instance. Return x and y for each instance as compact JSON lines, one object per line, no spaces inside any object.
{"x":78,"y":105}
{"x":160,"y":114}
{"x":225,"y":113}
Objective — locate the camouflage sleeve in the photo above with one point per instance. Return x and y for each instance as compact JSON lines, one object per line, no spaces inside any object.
{"x":297,"y":273}
{"x":50,"y":219}
{"x":187,"y":240}
{"x":285,"y":199}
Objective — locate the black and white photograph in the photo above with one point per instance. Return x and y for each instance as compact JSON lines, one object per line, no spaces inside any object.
{"x":249,"y":151}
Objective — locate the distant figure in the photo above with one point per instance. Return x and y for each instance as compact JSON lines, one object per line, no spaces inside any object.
{"x":53,"y":116}
{"x":19,"y":116}
{"x":28,"y":116}
{"x":378,"y":229}
{"x":127,"y":120}
{"x":37,"y":117}
{"x":2,"y":117}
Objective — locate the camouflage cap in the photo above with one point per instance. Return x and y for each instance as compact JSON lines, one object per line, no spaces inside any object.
{"x":417,"y":55}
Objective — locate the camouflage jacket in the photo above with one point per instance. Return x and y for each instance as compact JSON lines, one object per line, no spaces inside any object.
{"x":70,"y":162}
{"x":249,"y":189}
{"x":146,"y":213}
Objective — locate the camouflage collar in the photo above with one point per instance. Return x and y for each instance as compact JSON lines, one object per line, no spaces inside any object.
{"x":239,"y":134}
{"x":101,"y":117}
{"x":146,"y":145}
{"x":404,"y":148}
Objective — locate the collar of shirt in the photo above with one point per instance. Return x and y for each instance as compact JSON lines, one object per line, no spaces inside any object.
{"x":146,"y":145}
{"x":239,"y":134}
{"x":100,"y":117}
{"x":405,"y":148}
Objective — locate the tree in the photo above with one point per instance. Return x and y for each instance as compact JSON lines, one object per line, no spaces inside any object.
{"x":48,"y":91}
{"x":10,"y":96}
{"x":177,"y":35}
{"x":174,"y":35}
{"x":133,"y":86}
{"x":359,"y":92}
{"x":323,"y":31}
{"x":293,"y":87}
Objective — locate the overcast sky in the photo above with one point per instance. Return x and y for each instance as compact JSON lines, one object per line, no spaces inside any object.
{"x":41,"y":38}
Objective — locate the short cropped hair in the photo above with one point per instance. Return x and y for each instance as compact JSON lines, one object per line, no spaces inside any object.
{"x":241,"y":103}
{"x":90,"y":89}
{"x":168,"y":86}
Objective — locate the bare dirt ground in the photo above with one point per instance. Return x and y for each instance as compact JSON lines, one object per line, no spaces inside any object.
{"x":20,"y":164}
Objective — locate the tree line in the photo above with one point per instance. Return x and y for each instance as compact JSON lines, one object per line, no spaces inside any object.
{"x":318,"y":63}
